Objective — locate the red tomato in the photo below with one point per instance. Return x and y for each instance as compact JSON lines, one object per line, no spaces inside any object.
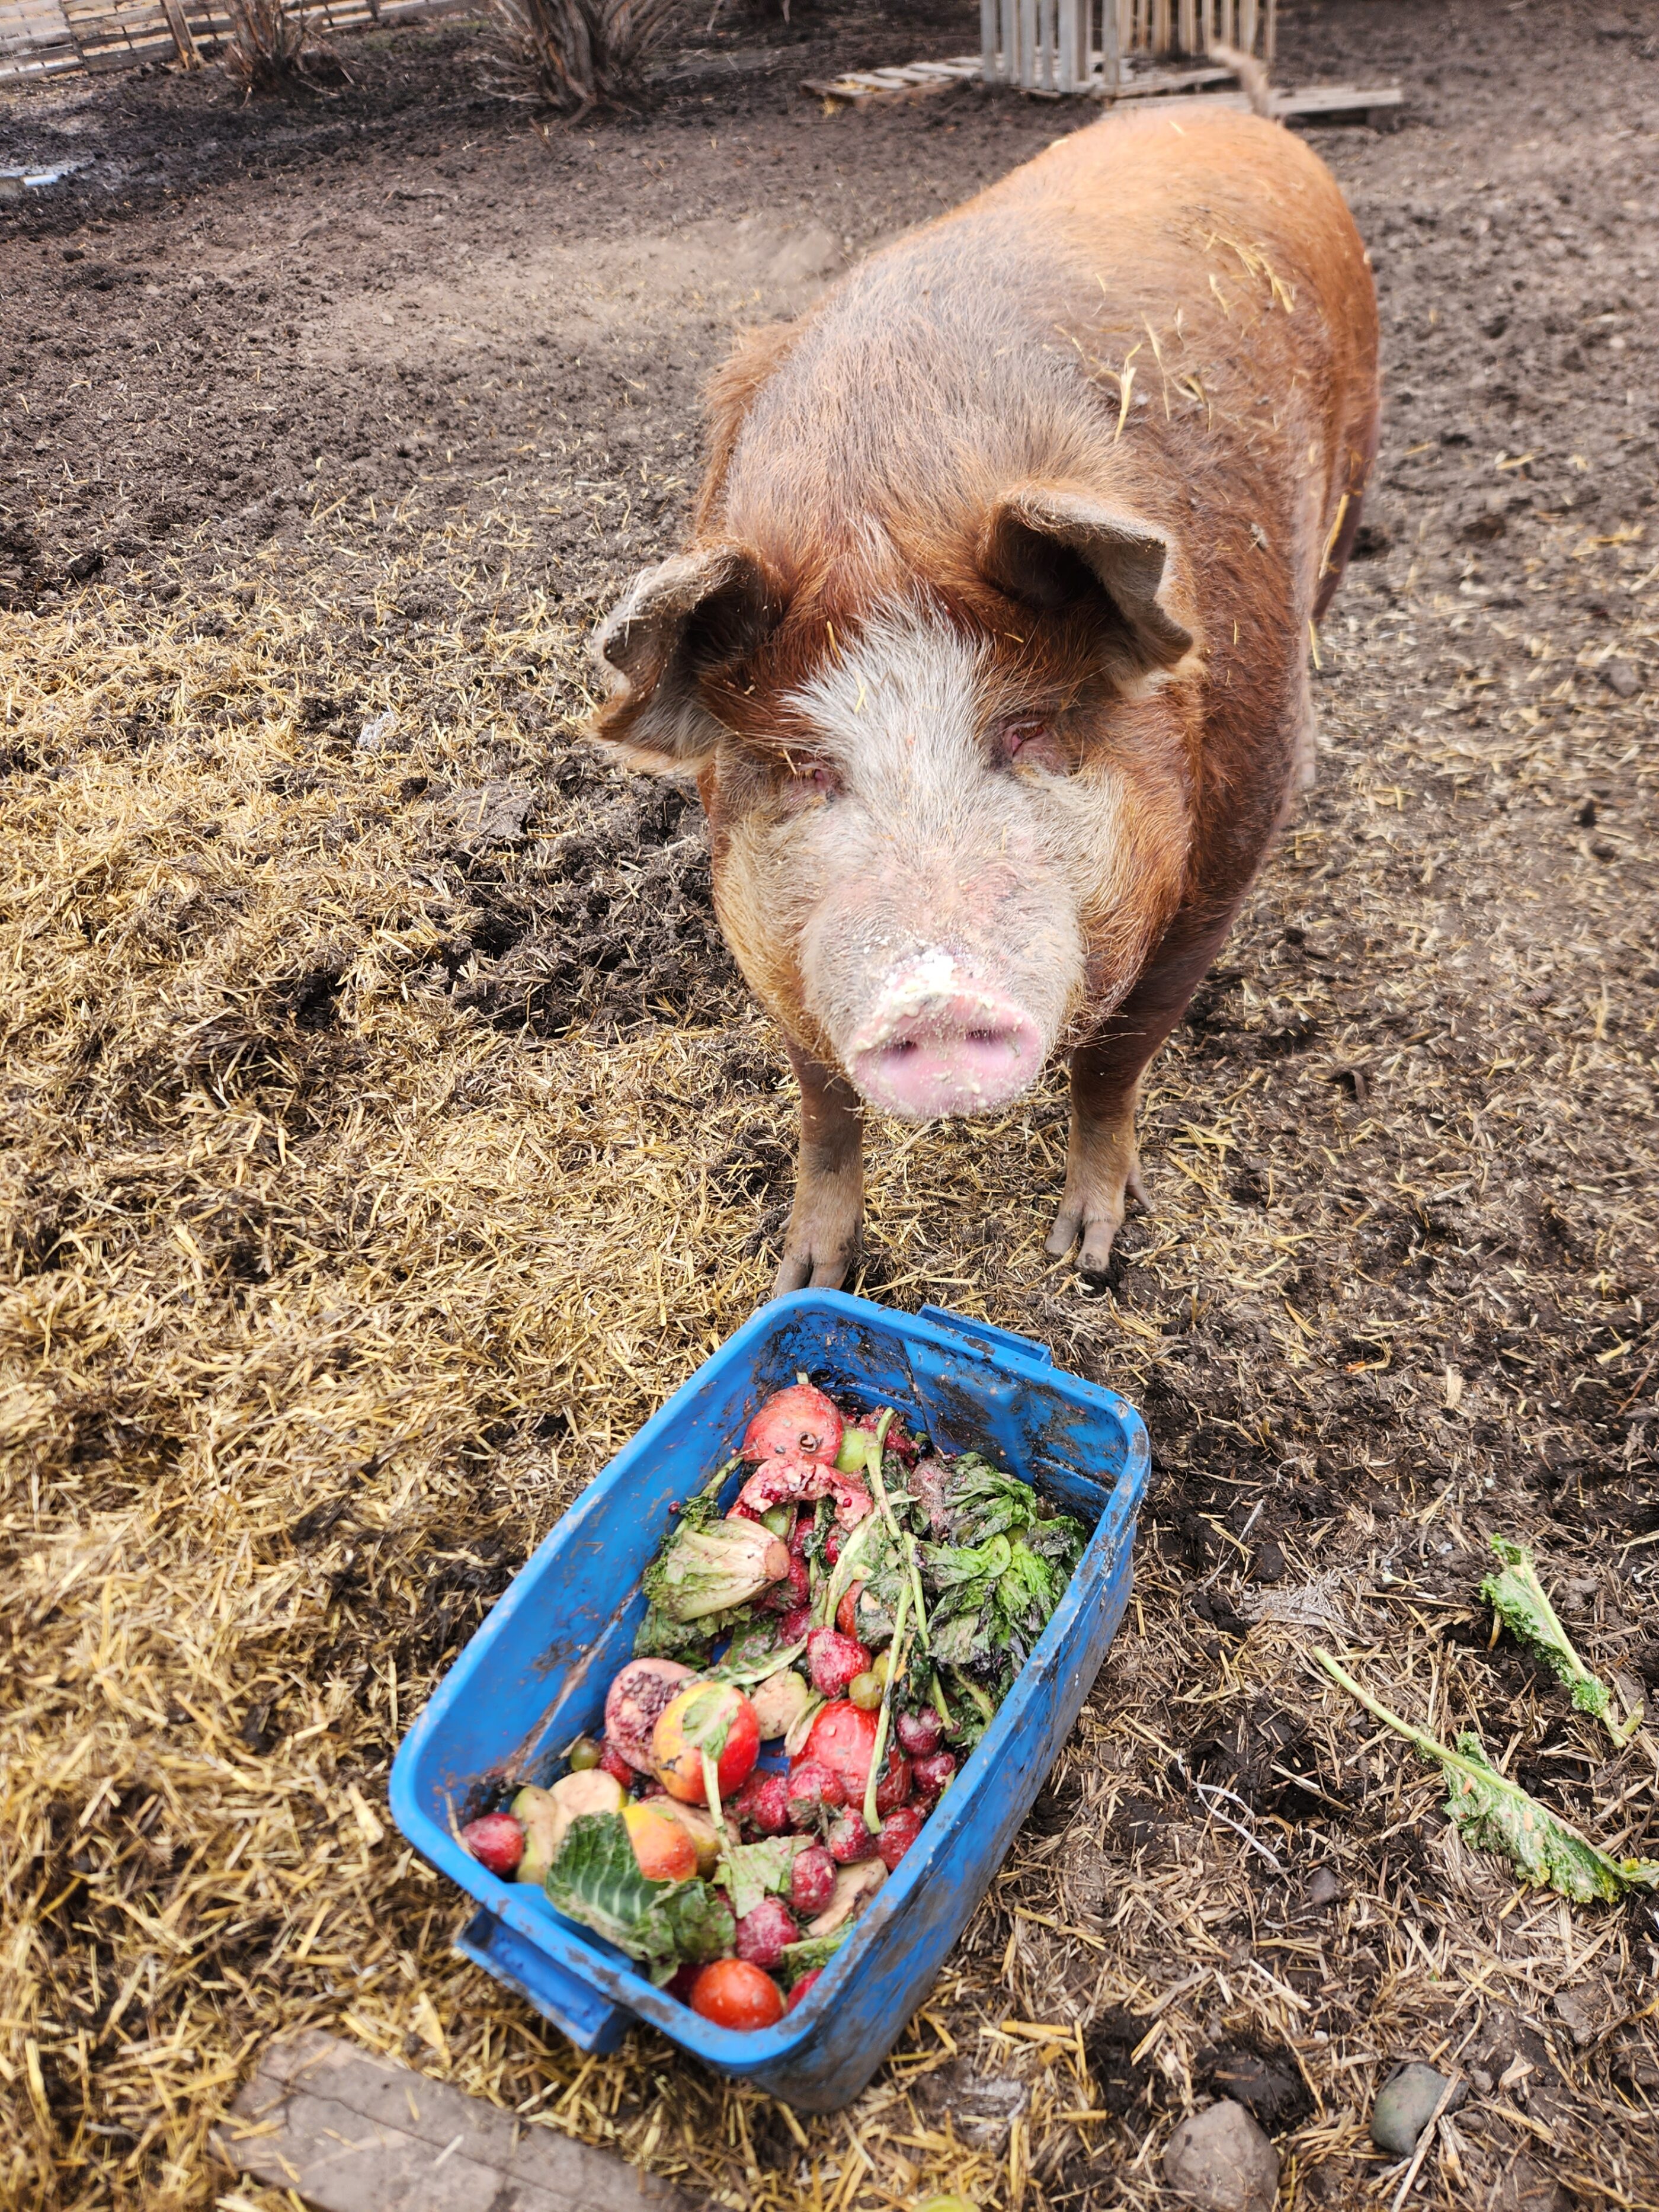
{"x":843,"y":1739}
{"x":734,"y":1994}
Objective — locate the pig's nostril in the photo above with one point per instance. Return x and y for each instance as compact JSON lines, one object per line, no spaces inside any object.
{"x":961,"y":1050}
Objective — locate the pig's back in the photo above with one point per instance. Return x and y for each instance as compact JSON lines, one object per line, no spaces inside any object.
{"x":1207,"y":258}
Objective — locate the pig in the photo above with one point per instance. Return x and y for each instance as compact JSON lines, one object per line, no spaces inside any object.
{"x":989,"y":650}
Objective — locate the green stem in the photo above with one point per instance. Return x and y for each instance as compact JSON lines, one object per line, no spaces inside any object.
{"x":974,"y":1695}
{"x":940,"y":1707}
{"x":841,"y":1575}
{"x":873,"y":1467}
{"x":894,"y":1668}
{"x":902,"y":1540}
{"x":1431,"y":1746}
{"x":711,"y":1784}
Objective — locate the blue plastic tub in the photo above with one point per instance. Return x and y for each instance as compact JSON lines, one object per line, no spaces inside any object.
{"x":535,"y":1676}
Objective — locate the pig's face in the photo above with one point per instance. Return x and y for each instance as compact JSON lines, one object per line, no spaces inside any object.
{"x":947,"y":853}
{"x":947,"y":834}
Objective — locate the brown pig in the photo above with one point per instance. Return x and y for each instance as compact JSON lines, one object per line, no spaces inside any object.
{"x":989,"y":652}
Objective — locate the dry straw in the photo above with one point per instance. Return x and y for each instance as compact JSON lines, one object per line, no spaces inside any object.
{"x":329,"y":1285}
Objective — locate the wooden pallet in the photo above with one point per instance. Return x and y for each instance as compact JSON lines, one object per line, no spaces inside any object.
{"x":869,"y":88}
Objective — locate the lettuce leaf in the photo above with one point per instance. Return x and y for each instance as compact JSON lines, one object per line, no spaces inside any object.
{"x":1517,"y":1597}
{"x":596,"y":1880}
{"x":814,"y":1951}
{"x":752,"y":1871}
{"x":1496,"y":1815}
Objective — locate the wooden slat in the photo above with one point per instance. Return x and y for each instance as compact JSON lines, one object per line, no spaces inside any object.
{"x":41,"y":37}
{"x":324,"y":2121}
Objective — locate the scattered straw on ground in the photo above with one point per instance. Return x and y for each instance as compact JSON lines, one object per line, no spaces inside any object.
{"x":385,"y":1135}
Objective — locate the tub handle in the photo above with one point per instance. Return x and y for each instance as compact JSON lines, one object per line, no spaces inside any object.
{"x":987,"y":1336}
{"x":592,"y":2021}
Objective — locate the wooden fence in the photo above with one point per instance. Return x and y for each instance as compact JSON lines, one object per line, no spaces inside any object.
{"x":1081,"y":45}
{"x":48,"y":38}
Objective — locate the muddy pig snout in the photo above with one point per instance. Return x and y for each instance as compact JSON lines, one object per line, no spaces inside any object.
{"x":940,"y":1039}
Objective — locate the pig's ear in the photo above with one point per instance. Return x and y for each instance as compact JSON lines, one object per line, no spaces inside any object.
{"x":1051,"y":546}
{"x":675,"y":624}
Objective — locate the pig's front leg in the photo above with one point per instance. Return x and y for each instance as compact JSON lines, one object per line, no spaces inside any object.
{"x":822,"y":1235}
{"x":1103,"y":1161}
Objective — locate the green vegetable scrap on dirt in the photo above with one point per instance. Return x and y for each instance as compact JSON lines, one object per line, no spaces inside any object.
{"x":1496,"y":1815}
{"x":1519,"y":1600}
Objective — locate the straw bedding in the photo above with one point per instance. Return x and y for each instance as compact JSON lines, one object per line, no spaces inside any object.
{"x":387,"y":1134}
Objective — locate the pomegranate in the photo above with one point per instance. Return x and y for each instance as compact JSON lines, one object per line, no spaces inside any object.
{"x":632,"y":1703}
{"x":799,"y":1423}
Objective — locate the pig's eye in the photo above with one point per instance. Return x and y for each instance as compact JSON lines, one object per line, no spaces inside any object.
{"x":813,"y":779}
{"x":1016,"y":737}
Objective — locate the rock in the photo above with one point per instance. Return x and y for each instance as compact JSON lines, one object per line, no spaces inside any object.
{"x":1580,"y":2012}
{"x":1403,"y":2107}
{"x":1323,"y":1887}
{"x":1267,"y":2083}
{"x":1222,"y":2161}
{"x":982,"y":2108}
{"x":1621,"y":678}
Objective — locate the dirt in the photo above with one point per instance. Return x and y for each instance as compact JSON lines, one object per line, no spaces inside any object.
{"x":361,"y":403}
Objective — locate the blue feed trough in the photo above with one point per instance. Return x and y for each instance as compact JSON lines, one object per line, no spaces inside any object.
{"x":536,"y":1673}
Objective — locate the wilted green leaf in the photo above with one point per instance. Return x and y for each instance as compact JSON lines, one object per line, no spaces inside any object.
{"x":1519,"y":1600}
{"x":596,"y":1880}
{"x":752,"y":1871}
{"x":1496,"y":1815}
{"x":814,"y":1951}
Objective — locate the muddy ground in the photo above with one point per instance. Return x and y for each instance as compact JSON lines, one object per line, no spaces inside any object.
{"x":386,"y":1130}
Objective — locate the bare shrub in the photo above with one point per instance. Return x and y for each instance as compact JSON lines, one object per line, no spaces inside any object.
{"x":264,"y":43}
{"x":575,"y":54}
{"x":271,"y":45}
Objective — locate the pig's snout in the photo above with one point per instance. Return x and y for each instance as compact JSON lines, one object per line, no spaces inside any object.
{"x":940,"y":1040}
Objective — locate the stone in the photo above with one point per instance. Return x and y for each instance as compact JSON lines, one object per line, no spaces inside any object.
{"x":1220,"y":2161}
{"x":1580,"y":2010}
{"x":350,"y":2132}
{"x":1622,"y":678}
{"x":1323,"y":1887}
{"x":1405,"y":2104}
{"x":982,"y":2108}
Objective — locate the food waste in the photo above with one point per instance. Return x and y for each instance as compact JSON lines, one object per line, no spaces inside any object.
{"x":863,"y":1606}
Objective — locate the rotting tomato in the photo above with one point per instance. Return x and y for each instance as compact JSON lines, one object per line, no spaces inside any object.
{"x":732,"y":1993}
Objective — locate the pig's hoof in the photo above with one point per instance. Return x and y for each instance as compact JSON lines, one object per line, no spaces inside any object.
{"x":1090,"y":1218}
{"x":819,"y":1248}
